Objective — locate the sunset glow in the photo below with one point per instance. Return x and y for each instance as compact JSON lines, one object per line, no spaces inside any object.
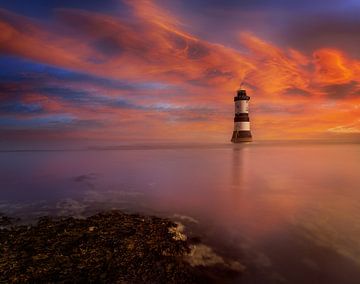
{"x":153,"y":70}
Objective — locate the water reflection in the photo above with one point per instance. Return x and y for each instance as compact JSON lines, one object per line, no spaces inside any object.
{"x":291,"y":211}
{"x":238,"y":166}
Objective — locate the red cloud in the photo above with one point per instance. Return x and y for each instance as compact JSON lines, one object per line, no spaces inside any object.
{"x":154,"y":46}
{"x":332,"y":67}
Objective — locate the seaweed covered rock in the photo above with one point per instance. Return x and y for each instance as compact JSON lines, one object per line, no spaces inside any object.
{"x":110,"y":247}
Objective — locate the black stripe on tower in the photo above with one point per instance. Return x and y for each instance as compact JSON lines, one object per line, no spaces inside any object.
{"x":241,"y":117}
{"x":241,"y":98}
{"x":241,"y":136}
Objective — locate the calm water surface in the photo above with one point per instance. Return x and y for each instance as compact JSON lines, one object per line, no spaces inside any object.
{"x":289,"y":212}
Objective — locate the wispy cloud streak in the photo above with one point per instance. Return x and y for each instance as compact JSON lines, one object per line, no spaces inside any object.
{"x":150,"y":67}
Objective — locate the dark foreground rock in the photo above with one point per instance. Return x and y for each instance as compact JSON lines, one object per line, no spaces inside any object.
{"x":111,"y":247}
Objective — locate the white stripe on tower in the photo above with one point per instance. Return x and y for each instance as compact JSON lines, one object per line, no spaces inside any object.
{"x":242,"y":126}
{"x":241,"y":106}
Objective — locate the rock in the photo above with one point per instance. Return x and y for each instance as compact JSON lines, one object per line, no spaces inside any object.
{"x":109,"y":247}
{"x":177,"y":232}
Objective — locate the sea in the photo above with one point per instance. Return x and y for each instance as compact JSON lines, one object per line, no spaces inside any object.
{"x":289,"y":212}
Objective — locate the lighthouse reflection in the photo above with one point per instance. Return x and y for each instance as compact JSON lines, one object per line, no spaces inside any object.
{"x":239,"y":165}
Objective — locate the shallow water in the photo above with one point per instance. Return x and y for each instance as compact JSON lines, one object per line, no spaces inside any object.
{"x":290,"y":212}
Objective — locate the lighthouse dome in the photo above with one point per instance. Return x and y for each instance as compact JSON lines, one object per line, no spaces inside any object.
{"x":241,"y":95}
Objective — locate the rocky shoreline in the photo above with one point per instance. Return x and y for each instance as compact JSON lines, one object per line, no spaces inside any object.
{"x":109,"y":247}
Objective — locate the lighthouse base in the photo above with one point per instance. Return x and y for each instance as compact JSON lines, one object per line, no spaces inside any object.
{"x":241,"y":136}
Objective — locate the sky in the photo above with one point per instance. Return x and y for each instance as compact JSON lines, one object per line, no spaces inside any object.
{"x":158,"y":70}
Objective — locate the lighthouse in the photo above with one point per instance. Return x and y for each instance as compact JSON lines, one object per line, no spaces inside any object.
{"x":241,"y":131}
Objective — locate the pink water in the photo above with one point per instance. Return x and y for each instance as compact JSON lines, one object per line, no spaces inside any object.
{"x":290,"y":212}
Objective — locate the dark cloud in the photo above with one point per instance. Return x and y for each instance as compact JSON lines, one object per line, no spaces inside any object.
{"x":296,"y":92}
{"x":12,"y":95}
{"x":20,"y":108}
{"x":85,"y":178}
{"x":77,"y":124}
{"x":176,"y":41}
{"x":278,"y":109}
{"x":338,"y":30}
{"x":48,"y":121}
{"x":9,"y":89}
{"x":304,"y":25}
{"x":184,"y":118}
{"x":63,"y":93}
{"x":45,"y":8}
{"x":105,"y":33}
{"x":210,"y":74}
{"x":257,"y":4}
{"x":119,"y":103}
{"x":340,"y":91}
{"x":216,"y":73}
{"x":108,"y":46}
{"x":14,"y":70}
{"x":197,"y":51}
{"x":45,"y":127}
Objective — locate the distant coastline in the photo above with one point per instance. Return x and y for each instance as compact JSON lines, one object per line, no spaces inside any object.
{"x":173,"y":145}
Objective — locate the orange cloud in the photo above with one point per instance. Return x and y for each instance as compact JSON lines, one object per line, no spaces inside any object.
{"x":332,"y":67}
{"x":274,"y":70}
{"x":289,"y":89}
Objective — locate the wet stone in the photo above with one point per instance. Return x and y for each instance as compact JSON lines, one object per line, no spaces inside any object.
{"x":110,"y":247}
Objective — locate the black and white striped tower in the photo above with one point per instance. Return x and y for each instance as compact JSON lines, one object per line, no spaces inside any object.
{"x":241,"y":131}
